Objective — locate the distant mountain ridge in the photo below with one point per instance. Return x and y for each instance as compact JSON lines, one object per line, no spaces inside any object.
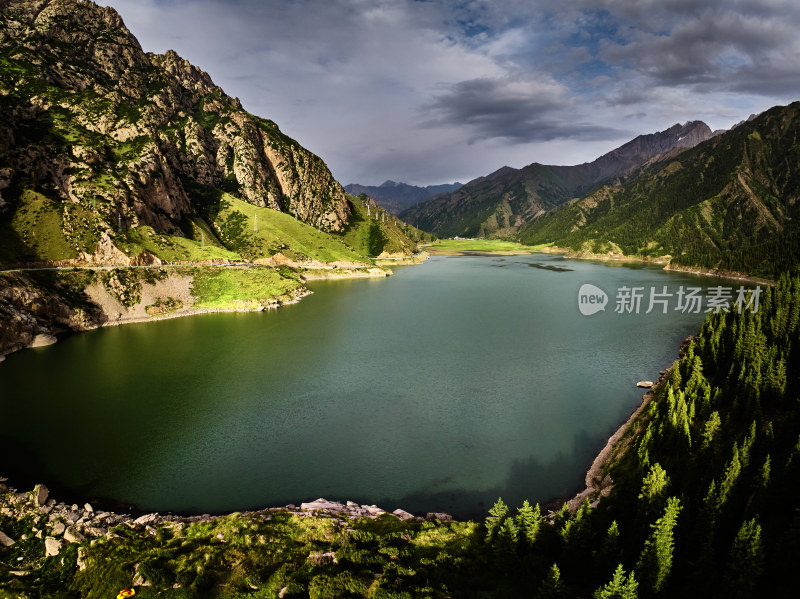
{"x":499,"y":204}
{"x":396,"y":197}
{"x":731,"y":203}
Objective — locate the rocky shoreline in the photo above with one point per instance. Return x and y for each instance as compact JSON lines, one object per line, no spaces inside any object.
{"x":60,"y":524}
{"x":37,"y":330}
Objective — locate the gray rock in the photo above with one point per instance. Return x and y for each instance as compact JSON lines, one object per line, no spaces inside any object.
{"x":73,"y":536}
{"x":322,"y":505}
{"x":645,"y":384}
{"x":43,"y":340}
{"x":40,"y":493}
{"x":146,"y":519}
{"x":402,"y":514}
{"x":51,"y":546}
{"x":372,"y":510}
{"x":58,"y":529}
{"x":95,"y":531}
{"x":5,"y":540}
{"x":442,"y":517}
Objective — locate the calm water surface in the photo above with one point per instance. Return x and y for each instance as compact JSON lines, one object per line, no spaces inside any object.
{"x":438,"y":389}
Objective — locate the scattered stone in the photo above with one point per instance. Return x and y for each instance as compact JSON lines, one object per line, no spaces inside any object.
{"x":402,"y":514}
{"x":146,"y":519}
{"x":322,"y":504}
{"x":442,"y":517}
{"x":73,"y":536}
{"x":319,"y":559}
{"x":221,"y":537}
{"x":58,"y":529}
{"x":80,"y":561}
{"x":40,"y":493}
{"x":5,"y":540}
{"x":373,"y":510}
{"x":74,"y":507}
{"x":19,"y":572}
{"x":150,"y":530}
{"x":645,"y":384}
{"x":352,"y":504}
{"x":95,"y":531}
{"x":51,"y":546}
{"x":88,"y":507}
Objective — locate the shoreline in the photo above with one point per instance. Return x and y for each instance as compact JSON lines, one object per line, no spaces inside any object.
{"x":305,"y":272}
{"x":570,"y":254}
{"x":596,"y":483}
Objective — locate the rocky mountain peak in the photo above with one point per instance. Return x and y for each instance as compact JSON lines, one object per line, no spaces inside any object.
{"x":133,"y":138}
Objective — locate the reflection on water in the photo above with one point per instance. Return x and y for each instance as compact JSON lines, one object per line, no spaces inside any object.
{"x":438,"y":389}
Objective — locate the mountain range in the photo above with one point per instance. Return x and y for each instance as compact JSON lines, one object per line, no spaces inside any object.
{"x":396,"y":197}
{"x":499,"y":204}
{"x":729,"y":203}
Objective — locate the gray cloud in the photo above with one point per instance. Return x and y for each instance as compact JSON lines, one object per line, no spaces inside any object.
{"x":437,"y":90}
{"x":517,"y":111}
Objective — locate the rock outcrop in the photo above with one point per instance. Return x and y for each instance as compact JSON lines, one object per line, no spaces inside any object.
{"x":120,"y":138}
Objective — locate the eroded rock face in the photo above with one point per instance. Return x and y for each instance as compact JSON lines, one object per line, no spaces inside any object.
{"x":130,"y":138}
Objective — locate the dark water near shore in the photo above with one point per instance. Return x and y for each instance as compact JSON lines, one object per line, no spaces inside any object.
{"x":439,"y":389}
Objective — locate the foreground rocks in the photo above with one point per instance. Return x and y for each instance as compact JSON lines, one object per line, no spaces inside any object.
{"x":60,"y":524}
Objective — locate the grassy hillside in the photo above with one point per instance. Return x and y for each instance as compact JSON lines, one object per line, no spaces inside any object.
{"x":729,"y":203}
{"x":375,"y":231}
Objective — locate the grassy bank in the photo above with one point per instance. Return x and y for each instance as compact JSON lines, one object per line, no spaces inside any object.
{"x":483,"y":246}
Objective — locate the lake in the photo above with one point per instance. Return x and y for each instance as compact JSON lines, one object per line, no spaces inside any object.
{"x":438,"y":389}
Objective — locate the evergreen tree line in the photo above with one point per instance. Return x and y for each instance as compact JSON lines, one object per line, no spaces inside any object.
{"x":704,"y":500}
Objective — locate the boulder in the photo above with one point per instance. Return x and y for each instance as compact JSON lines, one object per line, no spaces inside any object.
{"x":51,"y":546}
{"x":43,"y":340}
{"x":88,"y":507}
{"x":322,"y":504}
{"x":5,"y":540}
{"x":146,"y":519}
{"x":645,"y":384}
{"x":442,"y":517}
{"x":40,"y":493}
{"x":58,"y":529}
{"x":402,"y":514}
{"x":72,"y":536}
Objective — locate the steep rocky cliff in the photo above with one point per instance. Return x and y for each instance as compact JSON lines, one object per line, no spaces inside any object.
{"x":111,"y":138}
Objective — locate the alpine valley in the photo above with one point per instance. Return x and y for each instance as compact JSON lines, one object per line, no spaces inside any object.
{"x":133,"y":189}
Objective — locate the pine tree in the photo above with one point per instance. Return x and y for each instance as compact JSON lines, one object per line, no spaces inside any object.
{"x":654,"y":485}
{"x":655,"y":562}
{"x":620,"y":587}
{"x":497,"y":515}
{"x":746,"y":561}
{"x":506,"y":541}
{"x":552,"y":587}
{"x":529,"y":521}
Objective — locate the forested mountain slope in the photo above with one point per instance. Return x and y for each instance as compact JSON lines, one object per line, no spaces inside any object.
{"x":730,"y":203}
{"x":499,"y":204}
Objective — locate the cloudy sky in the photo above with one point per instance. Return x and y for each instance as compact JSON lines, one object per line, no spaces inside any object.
{"x":433,"y":91}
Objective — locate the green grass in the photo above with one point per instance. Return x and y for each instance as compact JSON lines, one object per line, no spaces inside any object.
{"x":225,"y":288}
{"x":372,"y":237}
{"x":445,"y":246}
{"x":35,"y":231}
{"x":172,"y":248}
{"x":275,"y":232}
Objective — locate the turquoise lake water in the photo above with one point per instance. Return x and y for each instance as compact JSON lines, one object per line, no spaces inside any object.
{"x":437,"y":389}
